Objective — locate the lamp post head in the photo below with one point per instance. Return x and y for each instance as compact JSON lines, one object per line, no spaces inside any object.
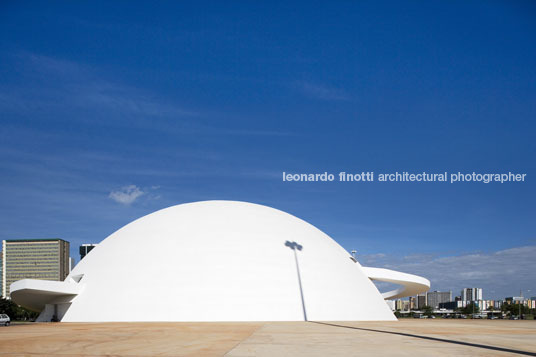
{"x":293,"y":245}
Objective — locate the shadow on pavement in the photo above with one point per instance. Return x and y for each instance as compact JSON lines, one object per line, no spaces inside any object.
{"x":494,"y":348}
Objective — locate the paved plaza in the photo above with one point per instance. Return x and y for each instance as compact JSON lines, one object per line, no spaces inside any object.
{"x":407,"y":337}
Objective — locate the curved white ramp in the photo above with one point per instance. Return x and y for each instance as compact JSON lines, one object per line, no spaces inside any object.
{"x":35,"y":294}
{"x":411,"y":284}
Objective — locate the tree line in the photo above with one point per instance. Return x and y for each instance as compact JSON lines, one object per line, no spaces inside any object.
{"x":16,"y":312}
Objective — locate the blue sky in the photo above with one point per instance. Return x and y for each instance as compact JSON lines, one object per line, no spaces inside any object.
{"x":110,"y":111}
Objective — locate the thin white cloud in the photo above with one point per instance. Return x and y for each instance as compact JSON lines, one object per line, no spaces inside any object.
{"x":248,"y":132}
{"x":47,"y":65}
{"x":321,"y":92}
{"x":55,"y":84}
{"x":501,"y":273}
{"x":83,"y":87}
{"x":126,"y":195}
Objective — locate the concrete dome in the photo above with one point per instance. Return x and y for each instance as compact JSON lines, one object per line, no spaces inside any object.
{"x":212,"y":261}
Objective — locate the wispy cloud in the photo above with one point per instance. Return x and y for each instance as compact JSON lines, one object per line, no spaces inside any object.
{"x":319,"y":91}
{"x":248,"y":132}
{"x":54,"y":83}
{"x":126,"y":195}
{"x":500,"y":273}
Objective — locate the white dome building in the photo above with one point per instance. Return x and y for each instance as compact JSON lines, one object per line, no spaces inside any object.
{"x":217,"y":261}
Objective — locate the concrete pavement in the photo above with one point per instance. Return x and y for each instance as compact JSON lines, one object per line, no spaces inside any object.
{"x":407,"y":337}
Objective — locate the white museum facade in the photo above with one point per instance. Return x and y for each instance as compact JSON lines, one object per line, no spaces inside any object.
{"x":217,"y":261}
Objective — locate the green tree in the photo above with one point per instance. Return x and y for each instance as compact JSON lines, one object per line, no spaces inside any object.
{"x":428,"y":310}
{"x":515,"y":309}
{"x":8,"y":307}
{"x":16,"y":312}
{"x":471,"y":308}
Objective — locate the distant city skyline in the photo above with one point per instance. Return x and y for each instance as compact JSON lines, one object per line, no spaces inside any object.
{"x":492,"y":272}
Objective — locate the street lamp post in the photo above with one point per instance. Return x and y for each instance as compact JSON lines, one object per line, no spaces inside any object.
{"x":493,"y":305}
{"x":522,"y":301}
{"x":521,"y":294}
{"x":528,"y":301}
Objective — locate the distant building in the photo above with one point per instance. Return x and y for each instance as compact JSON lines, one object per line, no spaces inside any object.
{"x":412,"y":303}
{"x":71,"y":264}
{"x":514,"y":299}
{"x":43,"y":259}
{"x":402,"y":305}
{"x":1,"y":273}
{"x":453,"y":305}
{"x":85,"y":249}
{"x":434,"y":298}
{"x":471,"y":294}
{"x":421,"y":301}
{"x":483,"y":305}
{"x":397,"y":304}
{"x":489,"y":305}
{"x":417,"y":302}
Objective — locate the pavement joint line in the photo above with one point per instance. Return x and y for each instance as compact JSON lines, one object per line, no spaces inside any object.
{"x":495,"y":348}
{"x":245,"y":339}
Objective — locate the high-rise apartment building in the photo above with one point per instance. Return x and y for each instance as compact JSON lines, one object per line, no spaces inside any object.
{"x":434,"y":298}
{"x":71,"y":264}
{"x":86,"y":248}
{"x":471,"y":294}
{"x":421,"y":300}
{"x":1,"y":272}
{"x":402,"y":305}
{"x":412,"y":303}
{"x":45,"y":259}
